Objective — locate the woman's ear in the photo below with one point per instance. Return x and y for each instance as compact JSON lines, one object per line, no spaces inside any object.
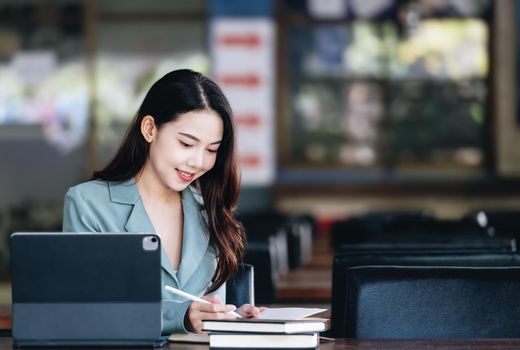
{"x":148,"y":128}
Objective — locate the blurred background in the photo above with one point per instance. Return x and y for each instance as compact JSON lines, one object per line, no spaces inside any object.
{"x":343,"y":107}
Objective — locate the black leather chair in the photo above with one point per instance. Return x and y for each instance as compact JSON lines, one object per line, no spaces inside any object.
{"x":400,"y":229}
{"x":263,"y":227}
{"x":293,"y":233}
{"x":504,"y":223}
{"x":240,"y":289}
{"x":343,"y":262}
{"x":389,"y":302}
{"x":435,"y":243}
{"x":262,"y":255}
{"x":367,"y":227}
{"x":300,"y":231}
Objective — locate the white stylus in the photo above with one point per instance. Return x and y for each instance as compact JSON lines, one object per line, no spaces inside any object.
{"x":194,"y":298}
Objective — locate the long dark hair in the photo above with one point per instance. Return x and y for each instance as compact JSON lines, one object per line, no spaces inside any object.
{"x":176,"y":93}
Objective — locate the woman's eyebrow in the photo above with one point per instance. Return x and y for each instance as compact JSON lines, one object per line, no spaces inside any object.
{"x":196,"y":139}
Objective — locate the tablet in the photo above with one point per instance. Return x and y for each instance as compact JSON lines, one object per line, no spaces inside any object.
{"x":86,"y":289}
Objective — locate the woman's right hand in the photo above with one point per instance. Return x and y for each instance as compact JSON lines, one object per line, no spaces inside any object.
{"x":197,"y":312}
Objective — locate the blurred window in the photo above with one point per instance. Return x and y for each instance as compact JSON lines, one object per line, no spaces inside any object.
{"x":44,"y":98}
{"x":72,"y":76}
{"x":138,"y":42}
{"x":385,"y":90}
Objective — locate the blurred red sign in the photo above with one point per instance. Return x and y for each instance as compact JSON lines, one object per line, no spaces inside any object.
{"x":251,"y":160}
{"x":248,"y":120}
{"x":250,"y":80}
{"x":250,"y":40}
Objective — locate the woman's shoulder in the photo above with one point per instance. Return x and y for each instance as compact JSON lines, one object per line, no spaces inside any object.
{"x":89,"y":189}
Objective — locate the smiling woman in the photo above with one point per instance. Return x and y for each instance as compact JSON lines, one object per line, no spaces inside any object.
{"x":188,"y":145}
{"x":175,"y":174}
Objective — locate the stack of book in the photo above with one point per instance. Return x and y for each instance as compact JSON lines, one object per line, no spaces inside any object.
{"x":264,"y":334}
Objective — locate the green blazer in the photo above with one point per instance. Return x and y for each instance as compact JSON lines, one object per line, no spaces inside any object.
{"x":101,"y":206}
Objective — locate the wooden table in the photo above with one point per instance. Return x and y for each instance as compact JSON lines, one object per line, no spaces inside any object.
{"x":475,"y":344}
{"x":350,"y":344}
{"x":338,"y":344}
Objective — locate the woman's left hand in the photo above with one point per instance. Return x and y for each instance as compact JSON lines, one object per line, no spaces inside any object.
{"x":249,"y":311}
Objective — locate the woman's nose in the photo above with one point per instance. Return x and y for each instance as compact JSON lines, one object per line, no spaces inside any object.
{"x":196,"y":159}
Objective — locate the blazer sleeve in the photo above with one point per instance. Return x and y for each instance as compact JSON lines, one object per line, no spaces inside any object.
{"x":174,"y":313}
{"x":173,"y":316}
{"x":77,"y":213}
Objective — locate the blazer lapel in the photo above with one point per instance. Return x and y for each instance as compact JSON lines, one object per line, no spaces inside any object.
{"x":195,"y":238}
{"x":138,"y":220}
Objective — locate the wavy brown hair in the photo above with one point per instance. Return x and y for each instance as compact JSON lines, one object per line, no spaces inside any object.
{"x":176,"y":93}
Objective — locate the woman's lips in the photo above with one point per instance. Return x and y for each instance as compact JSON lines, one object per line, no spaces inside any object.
{"x":185,"y":176}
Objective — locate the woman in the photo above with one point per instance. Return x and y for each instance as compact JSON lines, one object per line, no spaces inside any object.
{"x":175,"y":174}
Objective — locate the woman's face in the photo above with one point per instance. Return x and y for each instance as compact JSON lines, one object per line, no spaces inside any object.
{"x":183,"y":150}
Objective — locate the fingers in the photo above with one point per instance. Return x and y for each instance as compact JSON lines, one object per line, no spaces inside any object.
{"x":215,"y":308}
{"x":200,"y":311}
{"x":214,"y":299}
{"x":250,"y":311}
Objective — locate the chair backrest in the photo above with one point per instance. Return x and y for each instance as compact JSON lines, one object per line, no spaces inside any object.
{"x":343,"y":262}
{"x":435,"y":243}
{"x":388,"y":302}
{"x":364,"y":227}
{"x":263,"y":227}
{"x":240,"y":289}
{"x":402,"y":228}
{"x":293,"y":232}
{"x":263,"y":256}
{"x":505,"y":223}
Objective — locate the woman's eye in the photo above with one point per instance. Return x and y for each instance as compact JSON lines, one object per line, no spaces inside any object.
{"x":184,"y":144}
{"x":212,"y":150}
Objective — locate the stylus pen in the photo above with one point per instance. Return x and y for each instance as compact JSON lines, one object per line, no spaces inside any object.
{"x":194,"y":298}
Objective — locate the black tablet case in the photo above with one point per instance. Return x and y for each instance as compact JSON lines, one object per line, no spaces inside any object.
{"x":85,"y":289}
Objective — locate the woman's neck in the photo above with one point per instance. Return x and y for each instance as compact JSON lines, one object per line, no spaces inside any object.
{"x":151,"y":187}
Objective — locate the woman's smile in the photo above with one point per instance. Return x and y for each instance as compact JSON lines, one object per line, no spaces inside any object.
{"x":185,"y":176}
